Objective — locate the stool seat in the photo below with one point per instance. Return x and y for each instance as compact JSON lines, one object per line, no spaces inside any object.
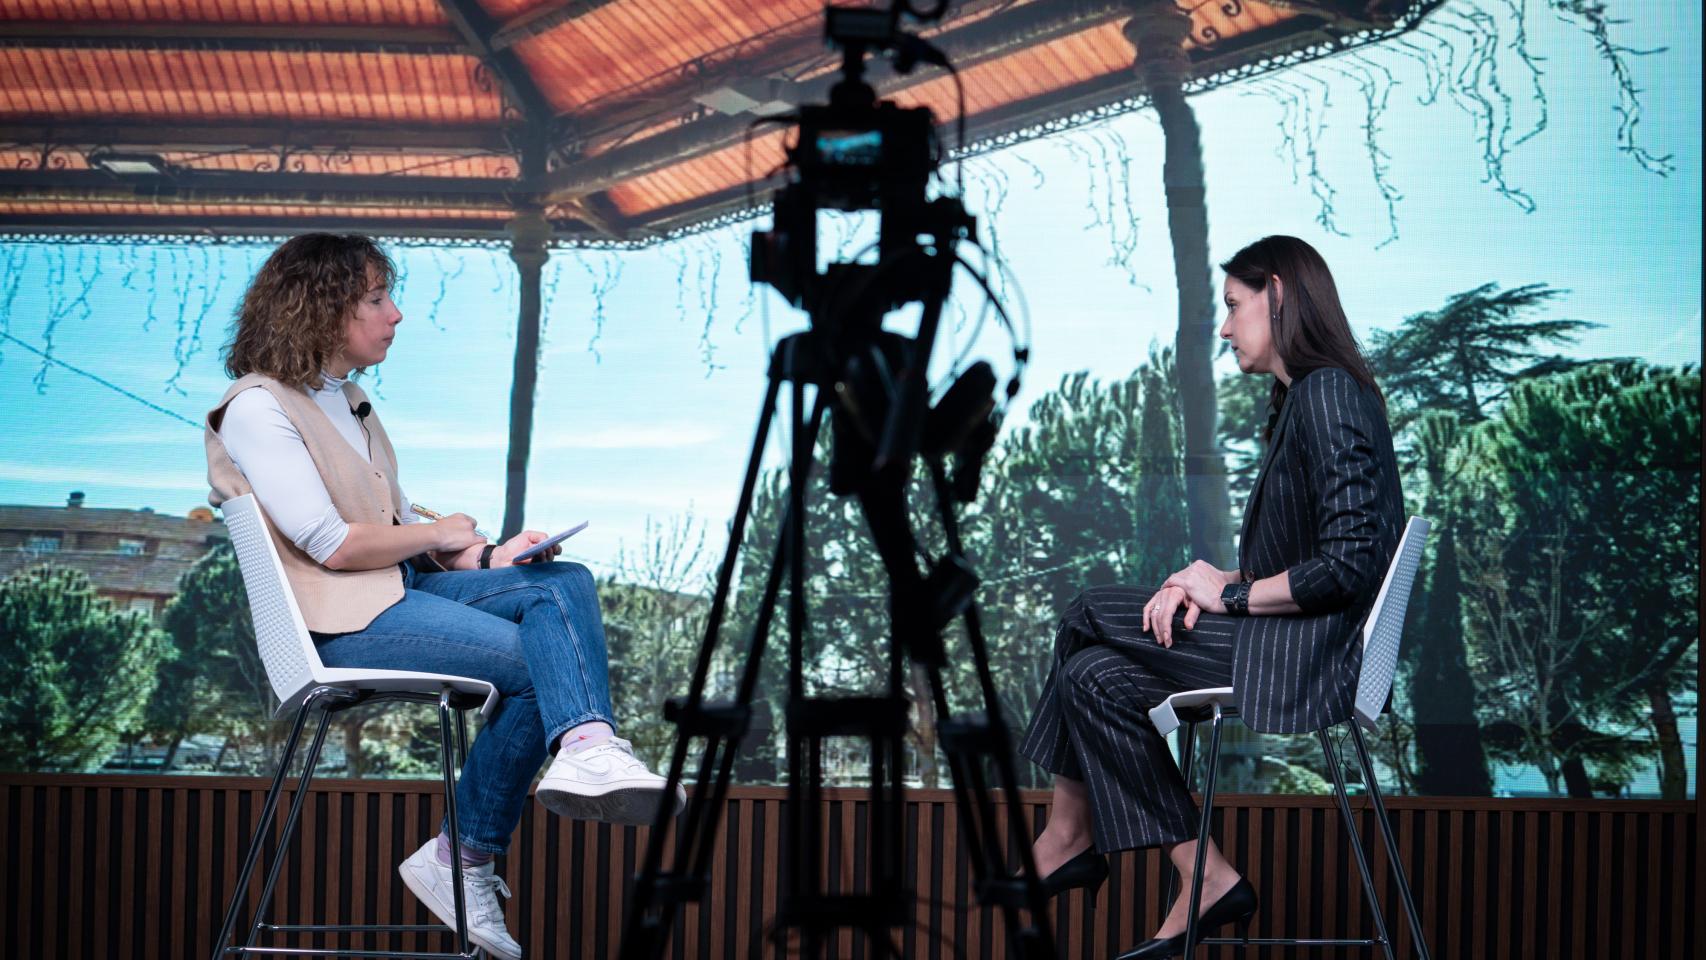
{"x":1193,"y":706}
{"x":1182,"y":711}
{"x":302,"y":683}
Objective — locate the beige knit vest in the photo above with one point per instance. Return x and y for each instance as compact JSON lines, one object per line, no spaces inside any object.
{"x":332,"y":601}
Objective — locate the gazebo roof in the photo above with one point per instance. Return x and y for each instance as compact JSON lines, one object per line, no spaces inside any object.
{"x":625,"y":120}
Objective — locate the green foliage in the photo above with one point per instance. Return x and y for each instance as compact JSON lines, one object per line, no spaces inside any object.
{"x":654,"y":618}
{"x":1581,"y":552}
{"x":1464,"y":356}
{"x":217,"y":684}
{"x":75,"y":673}
{"x":1243,"y":402}
{"x":1443,"y":371}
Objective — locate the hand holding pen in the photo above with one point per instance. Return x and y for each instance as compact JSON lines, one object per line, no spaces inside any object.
{"x":435,"y":517}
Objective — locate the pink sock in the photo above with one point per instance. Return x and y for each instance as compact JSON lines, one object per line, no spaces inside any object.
{"x":470,"y":856}
{"x":591,"y":733}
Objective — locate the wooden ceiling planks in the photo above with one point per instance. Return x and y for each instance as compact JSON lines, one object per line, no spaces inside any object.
{"x":228,"y":84}
{"x":349,"y":92}
{"x":366,"y":12}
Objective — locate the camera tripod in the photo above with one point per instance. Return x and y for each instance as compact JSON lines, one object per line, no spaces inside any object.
{"x":845,"y":365}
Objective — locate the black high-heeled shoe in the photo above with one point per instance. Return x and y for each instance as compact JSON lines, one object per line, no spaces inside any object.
{"x":1088,"y":870}
{"x":1237,"y":905}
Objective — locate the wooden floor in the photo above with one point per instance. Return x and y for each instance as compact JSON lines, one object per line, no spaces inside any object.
{"x":111,"y":866}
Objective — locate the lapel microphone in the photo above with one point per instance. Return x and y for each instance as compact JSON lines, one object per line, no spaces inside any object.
{"x":361,"y":413}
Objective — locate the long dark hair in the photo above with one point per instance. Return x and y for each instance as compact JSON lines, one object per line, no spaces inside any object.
{"x":1308,"y":325}
{"x":291,"y":322}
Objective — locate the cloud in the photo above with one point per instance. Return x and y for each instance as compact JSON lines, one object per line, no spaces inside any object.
{"x":421,"y":436}
{"x":71,"y":476}
{"x":1685,"y":338}
{"x":570,"y":497}
{"x":151,"y":437}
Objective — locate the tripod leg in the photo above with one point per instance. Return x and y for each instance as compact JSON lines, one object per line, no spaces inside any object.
{"x":1037,"y":940}
{"x":646,"y":928}
{"x":643,"y":932}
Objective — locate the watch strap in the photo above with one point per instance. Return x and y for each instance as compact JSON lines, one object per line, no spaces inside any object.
{"x":486,"y":556}
{"x":1235,"y":597}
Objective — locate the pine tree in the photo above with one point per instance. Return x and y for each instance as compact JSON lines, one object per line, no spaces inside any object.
{"x":75,"y":674}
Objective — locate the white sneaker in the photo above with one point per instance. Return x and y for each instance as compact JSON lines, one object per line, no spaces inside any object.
{"x":430,"y":882}
{"x":605,"y":782}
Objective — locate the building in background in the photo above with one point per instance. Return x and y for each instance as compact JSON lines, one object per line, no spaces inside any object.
{"x":134,"y":557}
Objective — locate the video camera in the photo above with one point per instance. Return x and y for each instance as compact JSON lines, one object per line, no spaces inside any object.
{"x":861,"y":153}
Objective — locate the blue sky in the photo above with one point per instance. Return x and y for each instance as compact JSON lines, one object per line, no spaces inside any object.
{"x":639,"y":424}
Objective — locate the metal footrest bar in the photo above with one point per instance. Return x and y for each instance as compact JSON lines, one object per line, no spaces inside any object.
{"x":356,"y":928}
{"x":1285,"y":942}
{"x":320,"y":952}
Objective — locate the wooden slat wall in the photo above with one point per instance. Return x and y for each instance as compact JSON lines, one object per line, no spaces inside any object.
{"x":105,"y":866}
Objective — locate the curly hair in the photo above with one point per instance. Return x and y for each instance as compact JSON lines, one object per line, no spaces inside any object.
{"x":290,"y":324}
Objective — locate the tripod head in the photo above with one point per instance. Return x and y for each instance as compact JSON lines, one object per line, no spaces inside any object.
{"x":860,"y":153}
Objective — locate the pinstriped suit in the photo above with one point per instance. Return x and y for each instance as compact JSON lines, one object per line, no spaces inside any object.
{"x":1326,"y":510}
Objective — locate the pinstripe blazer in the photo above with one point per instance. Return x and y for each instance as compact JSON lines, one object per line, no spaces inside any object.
{"x":1326,"y":509}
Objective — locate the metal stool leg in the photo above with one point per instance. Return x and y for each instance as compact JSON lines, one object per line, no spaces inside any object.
{"x":461,"y":738}
{"x":1391,"y":844}
{"x":1203,"y":837}
{"x":444,"y":736}
{"x":255,"y":844}
{"x":308,"y":764}
{"x":1187,"y":751}
{"x":1356,"y":839}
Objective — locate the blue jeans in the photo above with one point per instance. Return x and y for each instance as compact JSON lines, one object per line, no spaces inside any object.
{"x":534,"y":632}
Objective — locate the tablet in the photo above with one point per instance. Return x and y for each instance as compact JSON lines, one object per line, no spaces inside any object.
{"x":545,"y":545}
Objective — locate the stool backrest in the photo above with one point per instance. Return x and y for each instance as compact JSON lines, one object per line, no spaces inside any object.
{"x":286,"y":648}
{"x":1385,"y":624}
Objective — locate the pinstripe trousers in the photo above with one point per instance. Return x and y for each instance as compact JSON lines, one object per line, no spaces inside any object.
{"x":1092,"y":723}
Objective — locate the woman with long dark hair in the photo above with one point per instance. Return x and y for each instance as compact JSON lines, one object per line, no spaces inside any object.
{"x":1320,"y":528}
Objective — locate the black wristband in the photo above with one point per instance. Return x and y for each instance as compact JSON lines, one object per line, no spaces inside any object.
{"x":486,"y":556}
{"x":1235,"y":597}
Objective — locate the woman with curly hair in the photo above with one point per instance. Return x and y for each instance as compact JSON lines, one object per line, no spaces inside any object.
{"x":379,"y":587}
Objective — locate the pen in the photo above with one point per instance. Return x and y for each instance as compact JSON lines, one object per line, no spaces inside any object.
{"x":431,"y":515}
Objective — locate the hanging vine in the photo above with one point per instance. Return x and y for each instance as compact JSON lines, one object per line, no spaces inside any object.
{"x":1107,"y":165}
{"x":603,"y":280}
{"x":1375,"y":83}
{"x":709,"y":274}
{"x":1302,"y":123}
{"x":676,"y":254}
{"x":11,"y":281}
{"x":188,"y":342}
{"x":1121,"y":211}
{"x":444,"y":280}
{"x":1591,"y":16}
{"x":1519,"y":45}
{"x":1476,"y":88}
{"x":63,"y":304}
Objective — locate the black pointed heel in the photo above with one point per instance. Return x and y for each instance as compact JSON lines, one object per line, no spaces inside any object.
{"x":1087,"y":871}
{"x":1237,"y":905}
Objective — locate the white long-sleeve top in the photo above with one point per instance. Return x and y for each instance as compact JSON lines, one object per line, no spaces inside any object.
{"x":266,"y":446}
